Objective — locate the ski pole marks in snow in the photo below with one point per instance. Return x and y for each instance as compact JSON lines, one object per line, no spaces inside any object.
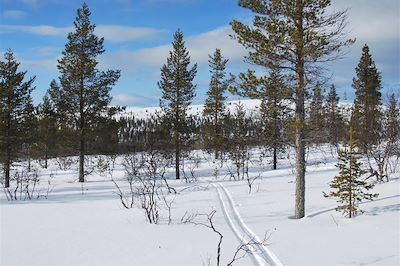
{"x":262,"y":256}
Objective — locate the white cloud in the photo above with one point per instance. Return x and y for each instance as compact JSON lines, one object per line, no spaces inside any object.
{"x":46,"y":51}
{"x":116,"y":33}
{"x":125,"y":99}
{"x":40,"y":65}
{"x":14,"y":14}
{"x":199,"y":47}
{"x":112,"y":33}
{"x":371,"y":20}
{"x":377,"y":24}
{"x":42,"y":30}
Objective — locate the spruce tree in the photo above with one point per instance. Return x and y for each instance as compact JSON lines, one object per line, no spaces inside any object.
{"x":349,"y":187}
{"x":367,"y":115}
{"x":214,"y":107}
{"x":333,"y":118}
{"x":178,"y":91}
{"x":15,"y":96}
{"x":85,"y":90}
{"x":294,"y":36}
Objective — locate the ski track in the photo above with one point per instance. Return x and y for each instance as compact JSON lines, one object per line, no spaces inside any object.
{"x":260,"y":255}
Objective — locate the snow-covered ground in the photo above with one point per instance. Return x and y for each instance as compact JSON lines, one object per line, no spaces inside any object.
{"x":87,"y":225}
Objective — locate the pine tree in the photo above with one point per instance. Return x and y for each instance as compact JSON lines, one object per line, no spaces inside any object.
{"x":294,"y":36}
{"x":178,"y":91}
{"x":85,"y":91}
{"x":274,"y":112}
{"x":274,"y":94}
{"x":367,"y":115}
{"x":15,"y":95}
{"x":29,"y":124}
{"x":349,"y":187}
{"x":214,"y":107}
{"x":333,"y":118}
{"x":237,"y":141}
{"x":47,"y":124}
{"x":316,"y":122}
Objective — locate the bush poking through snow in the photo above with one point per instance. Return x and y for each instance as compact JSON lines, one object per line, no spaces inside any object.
{"x":105,"y":164}
{"x":24,"y":185}
{"x":244,"y":249}
{"x":145,"y":175}
{"x":64,"y":163}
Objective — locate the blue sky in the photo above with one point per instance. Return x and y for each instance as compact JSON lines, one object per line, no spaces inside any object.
{"x":138,"y":34}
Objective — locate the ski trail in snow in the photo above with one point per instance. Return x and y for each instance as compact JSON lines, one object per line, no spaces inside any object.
{"x":240,"y":235}
{"x":267,"y":256}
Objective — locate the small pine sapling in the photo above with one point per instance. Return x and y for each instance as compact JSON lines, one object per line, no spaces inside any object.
{"x":348,"y":187}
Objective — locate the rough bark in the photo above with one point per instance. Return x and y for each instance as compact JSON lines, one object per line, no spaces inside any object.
{"x":299,"y":115}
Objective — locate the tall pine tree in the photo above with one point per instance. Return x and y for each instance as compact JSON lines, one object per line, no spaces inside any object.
{"x":294,"y":36}
{"x":316,"y":122}
{"x":15,"y":100}
{"x":274,"y":112}
{"x":178,"y":91}
{"x":29,"y":124}
{"x":274,"y":94}
{"x":214,"y":107}
{"x":85,"y":91}
{"x":47,"y":129}
{"x":367,"y":114}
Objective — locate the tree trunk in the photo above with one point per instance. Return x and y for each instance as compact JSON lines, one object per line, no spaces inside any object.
{"x":216,"y":144}
{"x":46,"y":155}
{"x":81,"y":160}
{"x":82,"y":147}
{"x":299,"y":133}
{"x":350,"y":191}
{"x":7,"y":169}
{"x":276,"y":134}
{"x":300,"y":175}
{"x":8,"y":149}
{"x":29,"y":159}
{"x":177,"y":157}
{"x":81,"y":131}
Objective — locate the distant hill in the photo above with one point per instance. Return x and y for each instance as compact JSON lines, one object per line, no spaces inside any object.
{"x":251,"y":107}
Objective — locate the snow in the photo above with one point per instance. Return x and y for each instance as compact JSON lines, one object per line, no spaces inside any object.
{"x":86,"y":224}
{"x":249,"y":105}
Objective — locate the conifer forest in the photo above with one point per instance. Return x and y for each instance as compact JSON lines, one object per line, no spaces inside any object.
{"x":245,"y":149}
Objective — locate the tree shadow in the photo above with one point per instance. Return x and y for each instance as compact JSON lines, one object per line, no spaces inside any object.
{"x":389,"y":208}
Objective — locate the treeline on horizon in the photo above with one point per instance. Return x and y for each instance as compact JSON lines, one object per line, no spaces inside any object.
{"x":297,"y":109}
